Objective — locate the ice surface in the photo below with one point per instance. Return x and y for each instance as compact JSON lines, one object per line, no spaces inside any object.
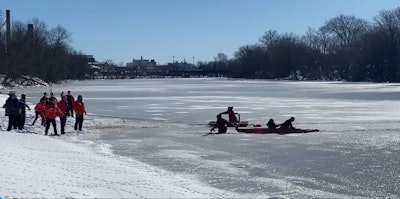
{"x":161,"y":122}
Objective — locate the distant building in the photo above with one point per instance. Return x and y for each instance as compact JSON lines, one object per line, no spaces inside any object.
{"x":103,"y":69}
{"x":96,"y":65}
{"x":142,"y":67}
{"x":142,"y":63}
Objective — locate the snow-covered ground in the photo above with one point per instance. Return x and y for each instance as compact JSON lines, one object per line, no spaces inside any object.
{"x":37,"y":166}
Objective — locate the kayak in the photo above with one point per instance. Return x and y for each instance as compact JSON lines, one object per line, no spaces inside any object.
{"x":263,"y":130}
{"x":239,"y":124}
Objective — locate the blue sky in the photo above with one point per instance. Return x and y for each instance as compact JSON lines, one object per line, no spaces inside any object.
{"x":122,"y":30}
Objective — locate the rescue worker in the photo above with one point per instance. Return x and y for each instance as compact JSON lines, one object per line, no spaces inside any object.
{"x":71,"y":101}
{"x":63,"y":106}
{"x":39,"y":111}
{"x":222,"y":124}
{"x":52,"y":97}
{"x":231,"y":114}
{"x":51,"y":112}
{"x":79,"y":108}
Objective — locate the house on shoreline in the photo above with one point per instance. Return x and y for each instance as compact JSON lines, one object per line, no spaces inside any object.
{"x":140,"y":68}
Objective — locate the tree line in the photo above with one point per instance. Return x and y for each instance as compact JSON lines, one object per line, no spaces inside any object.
{"x":344,"y":48}
{"x":35,"y":50}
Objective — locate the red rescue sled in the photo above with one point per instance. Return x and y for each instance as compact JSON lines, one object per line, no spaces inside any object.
{"x":263,"y":130}
{"x":239,"y":124}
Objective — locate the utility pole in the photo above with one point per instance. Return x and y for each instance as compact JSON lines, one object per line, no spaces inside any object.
{"x":8,"y":29}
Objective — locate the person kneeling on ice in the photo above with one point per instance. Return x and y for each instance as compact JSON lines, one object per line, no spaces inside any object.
{"x":287,"y":124}
{"x":271,"y":124}
{"x":222,"y":124}
{"x":51,"y":112}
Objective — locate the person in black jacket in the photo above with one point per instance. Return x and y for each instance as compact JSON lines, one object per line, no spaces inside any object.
{"x":222,"y":124}
{"x":271,"y":124}
{"x":71,"y":100}
{"x":13,"y":111}
{"x":288,"y":124}
{"x":23,"y":106}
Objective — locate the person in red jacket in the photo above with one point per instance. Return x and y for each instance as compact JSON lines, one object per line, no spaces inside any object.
{"x":231,"y":114}
{"x":51,"y":112}
{"x":79,"y":108}
{"x":39,"y":111}
{"x":64,"y":108}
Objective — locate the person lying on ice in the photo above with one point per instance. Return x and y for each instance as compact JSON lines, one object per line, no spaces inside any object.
{"x":287,"y":124}
{"x":271,"y":124}
{"x":222,"y":124}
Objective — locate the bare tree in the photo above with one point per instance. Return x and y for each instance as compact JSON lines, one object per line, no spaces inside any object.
{"x":221,"y":57}
{"x":388,"y":25}
{"x":269,"y":38}
{"x":389,"y":21}
{"x":58,"y":38}
{"x":40,"y":32}
{"x":318,"y":40}
{"x":347,"y":29}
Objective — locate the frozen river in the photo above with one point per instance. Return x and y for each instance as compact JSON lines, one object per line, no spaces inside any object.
{"x":162,"y":121}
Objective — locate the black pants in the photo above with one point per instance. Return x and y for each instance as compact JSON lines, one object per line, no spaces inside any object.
{"x":70,"y":110}
{"x":63,"y":121}
{"x":13,"y":122}
{"x":78,"y":122}
{"x":222,"y":130}
{"x":37,"y":114}
{"x":21,"y":122}
{"x":53,"y":122}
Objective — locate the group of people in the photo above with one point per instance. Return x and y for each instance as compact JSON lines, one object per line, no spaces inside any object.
{"x":222,"y":124}
{"x":48,"y":109}
{"x":15,"y":109}
{"x":285,"y":125}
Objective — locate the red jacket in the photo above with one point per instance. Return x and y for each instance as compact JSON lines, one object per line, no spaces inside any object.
{"x":40,"y":107}
{"x":70,"y":99}
{"x":62,"y":105}
{"x":79,"y":108}
{"x":52,"y":111}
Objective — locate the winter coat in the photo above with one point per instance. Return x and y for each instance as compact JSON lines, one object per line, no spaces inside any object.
{"x":63,"y":106}
{"x":79,"y":108}
{"x":22,"y":105}
{"x":70,"y":99}
{"x":232,"y":116}
{"x":52,"y":111}
{"x":40,"y":107}
{"x":12,"y":106}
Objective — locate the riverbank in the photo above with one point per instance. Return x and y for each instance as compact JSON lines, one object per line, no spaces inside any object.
{"x":38,"y":166}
